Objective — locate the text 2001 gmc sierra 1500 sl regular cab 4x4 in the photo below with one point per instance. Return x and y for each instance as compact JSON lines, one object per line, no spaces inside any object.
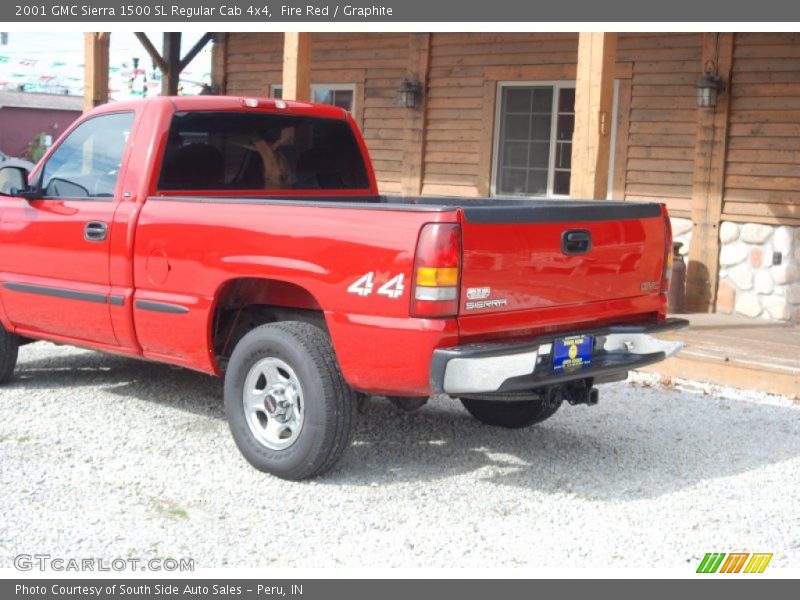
{"x":246,"y":237}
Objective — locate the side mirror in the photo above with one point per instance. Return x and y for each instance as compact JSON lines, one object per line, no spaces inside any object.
{"x":13,"y":180}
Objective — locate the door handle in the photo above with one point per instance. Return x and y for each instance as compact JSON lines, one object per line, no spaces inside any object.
{"x":576,"y":241}
{"x":95,"y":231}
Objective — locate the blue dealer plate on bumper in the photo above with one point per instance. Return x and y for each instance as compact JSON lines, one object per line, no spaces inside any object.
{"x":572,"y":352}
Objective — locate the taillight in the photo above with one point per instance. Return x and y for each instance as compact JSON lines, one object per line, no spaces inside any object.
{"x":668,"y":256}
{"x":437,"y":271}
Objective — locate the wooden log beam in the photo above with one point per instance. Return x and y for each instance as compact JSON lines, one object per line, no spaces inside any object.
{"x":594,"y":97}
{"x":151,"y":50}
{"x":296,"y":66}
{"x":711,"y":139}
{"x":172,"y":58}
{"x":219,"y":63}
{"x":419,"y":47}
{"x":95,"y":47}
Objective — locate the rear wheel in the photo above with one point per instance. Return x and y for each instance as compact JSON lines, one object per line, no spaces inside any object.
{"x":289,"y":409}
{"x":9,"y":350}
{"x":511,"y":414}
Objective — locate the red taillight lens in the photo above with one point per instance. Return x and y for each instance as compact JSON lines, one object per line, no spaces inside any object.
{"x":437,"y":270}
{"x":668,"y":257}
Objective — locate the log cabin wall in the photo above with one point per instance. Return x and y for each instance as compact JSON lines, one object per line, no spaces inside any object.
{"x":658,"y":115}
{"x":762,"y":176}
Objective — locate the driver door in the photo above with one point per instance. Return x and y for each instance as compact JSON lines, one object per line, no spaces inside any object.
{"x":54,"y":251}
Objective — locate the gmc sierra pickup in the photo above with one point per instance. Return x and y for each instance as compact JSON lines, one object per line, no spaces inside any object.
{"x":246,"y":238}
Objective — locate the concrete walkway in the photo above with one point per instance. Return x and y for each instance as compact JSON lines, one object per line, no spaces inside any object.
{"x":737,"y":351}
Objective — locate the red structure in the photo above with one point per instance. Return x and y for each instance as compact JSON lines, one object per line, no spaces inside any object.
{"x":23,"y":116}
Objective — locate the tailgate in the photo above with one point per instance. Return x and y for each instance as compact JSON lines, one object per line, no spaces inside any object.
{"x":541,"y":255}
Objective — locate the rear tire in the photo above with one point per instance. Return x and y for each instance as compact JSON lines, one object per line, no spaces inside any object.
{"x":512,"y":415}
{"x":294,"y":418}
{"x":9,"y":350}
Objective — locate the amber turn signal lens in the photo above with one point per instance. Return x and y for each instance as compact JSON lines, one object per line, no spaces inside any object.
{"x":437,"y":276}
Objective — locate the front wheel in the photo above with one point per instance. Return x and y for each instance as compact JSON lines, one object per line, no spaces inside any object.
{"x":288,"y":407}
{"x":513,"y":414}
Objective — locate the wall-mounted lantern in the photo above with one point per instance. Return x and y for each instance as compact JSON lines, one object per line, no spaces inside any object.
{"x":709,"y":87}
{"x":408,"y":93}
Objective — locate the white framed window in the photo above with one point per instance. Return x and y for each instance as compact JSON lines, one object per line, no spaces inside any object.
{"x":342,"y":95}
{"x":534,"y":122}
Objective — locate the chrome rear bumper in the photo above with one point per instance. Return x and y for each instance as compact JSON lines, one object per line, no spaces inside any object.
{"x":486,"y":368}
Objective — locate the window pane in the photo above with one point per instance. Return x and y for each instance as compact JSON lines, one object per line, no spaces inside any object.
{"x":566,"y":100}
{"x":518,"y":99}
{"x":566,"y":125}
{"x":321,"y":96}
{"x":543,"y":100}
{"x":515,"y":154}
{"x":561,"y":183}
{"x":260,"y":151}
{"x":524,"y":147}
{"x":539,"y":155}
{"x":277,"y":92}
{"x":540,"y":129}
{"x":537,"y":182}
{"x":517,"y":127}
{"x":343,"y":99}
{"x":513,"y":181}
{"x":563,"y":155}
{"x":87,"y":163}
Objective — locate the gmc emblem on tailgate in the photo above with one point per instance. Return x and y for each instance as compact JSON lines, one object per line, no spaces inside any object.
{"x":649,"y":286}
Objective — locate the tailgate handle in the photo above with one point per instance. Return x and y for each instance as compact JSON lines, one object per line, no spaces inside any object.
{"x":576,"y":241}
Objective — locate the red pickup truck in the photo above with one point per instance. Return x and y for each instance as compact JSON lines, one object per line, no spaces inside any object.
{"x":246,"y":238}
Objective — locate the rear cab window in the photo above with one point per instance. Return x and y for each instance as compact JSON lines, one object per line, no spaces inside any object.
{"x":260,"y":152}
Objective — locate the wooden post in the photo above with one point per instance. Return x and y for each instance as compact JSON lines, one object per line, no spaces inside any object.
{"x":219,"y":62}
{"x":711,"y":140}
{"x":594,"y":97}
{"x":172,"y":60}
{"x":296,"y":66}
{"x":95,"y":47}
{"x":419,"y":46}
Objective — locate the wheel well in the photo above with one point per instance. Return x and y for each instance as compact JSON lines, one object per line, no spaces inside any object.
{"x":244,"y":304}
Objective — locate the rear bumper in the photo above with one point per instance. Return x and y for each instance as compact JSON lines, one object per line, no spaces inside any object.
{"x":486,"y":368}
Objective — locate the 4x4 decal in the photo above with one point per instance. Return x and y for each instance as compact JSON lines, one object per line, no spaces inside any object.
{"x":363,"y":286}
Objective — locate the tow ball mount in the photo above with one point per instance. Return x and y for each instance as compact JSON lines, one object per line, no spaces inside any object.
{"x":574,"y":392}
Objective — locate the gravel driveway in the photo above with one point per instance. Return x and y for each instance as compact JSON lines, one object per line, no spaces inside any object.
{"x":103,"y":457}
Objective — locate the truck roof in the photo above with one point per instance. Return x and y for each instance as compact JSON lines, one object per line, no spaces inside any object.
{"x":231,"y":103}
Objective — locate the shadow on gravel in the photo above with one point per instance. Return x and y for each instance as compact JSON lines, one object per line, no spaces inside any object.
{"x":149,"y":381}
{"x":638,"y":443}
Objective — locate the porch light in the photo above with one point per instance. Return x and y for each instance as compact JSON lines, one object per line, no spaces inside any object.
{"x":709,"y":86}
{"x":408,"y":93}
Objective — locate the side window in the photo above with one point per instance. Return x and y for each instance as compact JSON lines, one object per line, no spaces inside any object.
{"x":86,"y":164}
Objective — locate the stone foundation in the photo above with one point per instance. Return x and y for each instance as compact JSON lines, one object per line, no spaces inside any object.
{"x":749,"y":283}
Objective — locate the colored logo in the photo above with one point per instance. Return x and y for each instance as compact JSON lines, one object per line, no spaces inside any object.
{"x":735,"y":562}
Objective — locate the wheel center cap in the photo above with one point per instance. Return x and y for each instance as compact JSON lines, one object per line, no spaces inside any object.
{"x":279,"y":403}
{"x":274,"y":400}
